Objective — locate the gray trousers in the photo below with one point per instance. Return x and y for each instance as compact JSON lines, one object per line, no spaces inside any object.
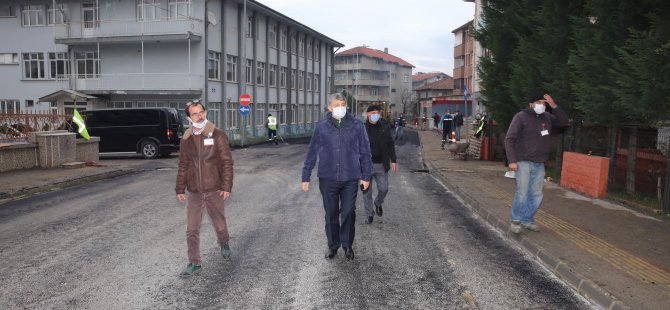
{"x":381,"y":177}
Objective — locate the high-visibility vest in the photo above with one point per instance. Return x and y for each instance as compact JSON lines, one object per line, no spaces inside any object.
{"x":272,"y":122}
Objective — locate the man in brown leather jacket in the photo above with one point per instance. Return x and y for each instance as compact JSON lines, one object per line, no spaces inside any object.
{"x":206,"y":171}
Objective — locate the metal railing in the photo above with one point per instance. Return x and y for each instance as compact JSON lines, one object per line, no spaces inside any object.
{"x":16,"y":127}
{"x":140,"y":81}
{"x":128,"y":27}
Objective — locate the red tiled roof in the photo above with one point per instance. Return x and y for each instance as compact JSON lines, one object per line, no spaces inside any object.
{"x":445,"y":83}
{"x":375,"y":54}
{"x":425,"y":76}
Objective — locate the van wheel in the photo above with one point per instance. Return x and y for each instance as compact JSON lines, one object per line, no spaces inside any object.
{"x":149,"y":149}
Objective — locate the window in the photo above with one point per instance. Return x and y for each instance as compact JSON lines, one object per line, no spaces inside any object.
{"x":7,"y":10}
{"x":249,"y":72}
{"x":9,"y":106}
{"x":309,"y":49}
{"x":294,"y":78}
{"x":119,"y":105}
{"x":147,"y":10}
{"x":317,"y":82}
{"x":213,"y":59}
{"x":272,"y":76}
{"x":308,"y":81}
{"x":56,"y":15}
{"x":374,"y":91}
{"x":317,"y":52}
{"x":301,"y":80}
{"x":231,"y":115}
{"x":283,"y":38}
{"x":260,"y":73}
{"x":32,"y":15}
{"x":231,"y":68}
{"x":88,"y":65}
{"x":282,"y":76}
{"x":260,"y":115}
{"x":301,"y":46}
{"x":9,"y":58}
{"x":180,"y":9}
{"x":405,"y":78}
{"x":379,"y":61}
{"x":272,"y":35}
{"x":294,"y":43}
{"x":59,"y":65}
{"x":213,"y":111}
{"x":250,"y":27}
{"x":33,"y":65}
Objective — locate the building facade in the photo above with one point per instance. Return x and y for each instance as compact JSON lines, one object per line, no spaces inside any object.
{"x":463,"y":64}
{"x":67,"y":55}
{"x":420,"y":79}
{"x":375,"y":77}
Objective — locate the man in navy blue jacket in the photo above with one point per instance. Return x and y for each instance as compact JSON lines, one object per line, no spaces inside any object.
{"x":341,"y":144}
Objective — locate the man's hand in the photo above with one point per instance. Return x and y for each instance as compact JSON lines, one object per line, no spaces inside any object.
{"x":305,"y":186}
{"x":550,"y":101}
{"x":513,"y":166}
{"x":181,"y":197}
{"x":365,"y":184}
{"x":394,"y":167}
{"x":225,"y":195}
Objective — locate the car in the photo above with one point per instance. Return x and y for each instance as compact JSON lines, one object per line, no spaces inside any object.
{"x":150,"y":132}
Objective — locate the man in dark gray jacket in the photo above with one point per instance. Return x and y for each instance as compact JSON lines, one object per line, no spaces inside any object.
{"x":527,"y":144}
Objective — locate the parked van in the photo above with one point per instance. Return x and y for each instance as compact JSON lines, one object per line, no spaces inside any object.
{"x":151,"y":132}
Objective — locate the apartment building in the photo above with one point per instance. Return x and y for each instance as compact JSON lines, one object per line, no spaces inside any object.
{"x":64,"y":55}
{"x":375,"y":77}
{"x":423,"y":78}
{"x":463,"y":65}
{"x":478,"y":52}
{"x":433,"y":97}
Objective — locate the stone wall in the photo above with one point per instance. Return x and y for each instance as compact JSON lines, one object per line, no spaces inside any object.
{"x":18,"y":156}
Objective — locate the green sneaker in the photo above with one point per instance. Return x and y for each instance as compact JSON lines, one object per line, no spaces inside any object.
{"x":225,"y":251}
{"x":190,"y":270}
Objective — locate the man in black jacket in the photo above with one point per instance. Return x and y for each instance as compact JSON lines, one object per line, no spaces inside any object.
{"x":383,"y":159}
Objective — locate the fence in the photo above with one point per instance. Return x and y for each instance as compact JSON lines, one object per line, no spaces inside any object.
{"x":16,"y":127}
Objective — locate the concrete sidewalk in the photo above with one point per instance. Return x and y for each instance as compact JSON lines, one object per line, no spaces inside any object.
{"x":616,"y":257}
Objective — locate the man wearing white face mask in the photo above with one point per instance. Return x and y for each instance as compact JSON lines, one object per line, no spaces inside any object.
{"x":383,"y":159}
{"x":527,"y":145}
{"x":341,"y":145}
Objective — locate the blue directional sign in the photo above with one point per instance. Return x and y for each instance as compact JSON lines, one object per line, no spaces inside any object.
{"x":244,"y":110}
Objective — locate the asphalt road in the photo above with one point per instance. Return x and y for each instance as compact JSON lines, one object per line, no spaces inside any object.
{"x":120,"y":244}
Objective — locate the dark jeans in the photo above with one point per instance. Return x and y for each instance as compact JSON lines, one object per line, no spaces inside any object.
{"x":272,"y":133}
{"x":339,"y":202}
{"x":446,"y":133}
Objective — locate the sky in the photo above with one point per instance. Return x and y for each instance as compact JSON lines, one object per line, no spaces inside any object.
{"x":417,"y":31}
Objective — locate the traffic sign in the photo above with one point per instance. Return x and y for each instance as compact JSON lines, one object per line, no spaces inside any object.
{"x":244,"y":110}
{"x":245,"y":99}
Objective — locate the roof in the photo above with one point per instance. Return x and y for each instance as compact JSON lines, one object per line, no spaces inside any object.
{"x":445,"y":83}
{"x":426,"y":76}
{"x":464,"y":26}
{"x":67,"y":93}
{"x":375,"y":54}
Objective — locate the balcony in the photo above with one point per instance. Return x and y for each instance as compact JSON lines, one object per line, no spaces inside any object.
{"x":362,"y":66}
{"x":459,"y":50}
{"x":458,"y":73}
{"x":140,"y":83}
{"x":363,"y":82}
{"x":109,"y":31}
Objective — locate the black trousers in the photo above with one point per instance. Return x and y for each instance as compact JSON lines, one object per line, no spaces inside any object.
{"x":339,"y":202}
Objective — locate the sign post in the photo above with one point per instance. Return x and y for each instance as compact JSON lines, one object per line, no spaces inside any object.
{"x":244,"y":109}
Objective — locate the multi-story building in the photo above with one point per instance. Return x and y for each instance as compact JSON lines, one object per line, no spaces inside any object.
{"x":463,"y":65}
{"x":478,"y":52}
{"x":375,"y":77}
{"x":432,"y":97}
{"x":420,"y":79}
{"x":62,"y":55}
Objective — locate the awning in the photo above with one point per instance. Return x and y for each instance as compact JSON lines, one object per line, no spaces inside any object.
{"x":66,"y":94}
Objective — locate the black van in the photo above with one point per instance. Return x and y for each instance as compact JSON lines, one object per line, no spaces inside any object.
{"x":148,"y":131}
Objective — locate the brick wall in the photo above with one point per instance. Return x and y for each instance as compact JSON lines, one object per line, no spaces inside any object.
{"x":585,"y":174}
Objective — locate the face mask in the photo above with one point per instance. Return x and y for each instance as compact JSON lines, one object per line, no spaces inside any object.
{"x":339,"y":112}
{"x":375,"y":118}
{"x":539,"y":108}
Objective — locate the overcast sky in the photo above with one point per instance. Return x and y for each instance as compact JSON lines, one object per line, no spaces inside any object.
{"x":417,"y":31}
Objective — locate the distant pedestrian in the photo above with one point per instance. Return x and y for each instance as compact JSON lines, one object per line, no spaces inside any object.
{"x":206,"y":171}
{"x":399,"y":127}
{"x":447,"y":122}
{"x":341,"y":145}
{"x":383,"y":159}
{"x":458,"y":122}
{"x":527,"y":144}
{"x":271,"y":125}
{"x":436,"y":123}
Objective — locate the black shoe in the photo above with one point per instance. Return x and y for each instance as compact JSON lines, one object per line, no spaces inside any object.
{"x":379,"y":210}
{"x":331,"y":253}
{"x":369,"y":220}
{"x":349,"y":253}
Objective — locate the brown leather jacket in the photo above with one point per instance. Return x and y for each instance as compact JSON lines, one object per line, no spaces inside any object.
{"x":205,"y":168}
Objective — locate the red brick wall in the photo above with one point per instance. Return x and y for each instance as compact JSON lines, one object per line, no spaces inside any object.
{"x":585,"y":174}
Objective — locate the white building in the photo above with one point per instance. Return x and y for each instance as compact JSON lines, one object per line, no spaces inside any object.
{"x":61,"y":55}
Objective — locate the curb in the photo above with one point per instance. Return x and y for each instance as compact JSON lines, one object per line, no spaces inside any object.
{"x":582,"y":285}
{"x":37,"y":190}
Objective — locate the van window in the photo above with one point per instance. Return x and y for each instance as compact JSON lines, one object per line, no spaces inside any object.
{"x":124,"y":118}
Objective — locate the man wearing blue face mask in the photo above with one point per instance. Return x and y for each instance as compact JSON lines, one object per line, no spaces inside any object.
{"x":341,"y":145}
{"x":383,"y":159}
{"x":527,"y":145}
